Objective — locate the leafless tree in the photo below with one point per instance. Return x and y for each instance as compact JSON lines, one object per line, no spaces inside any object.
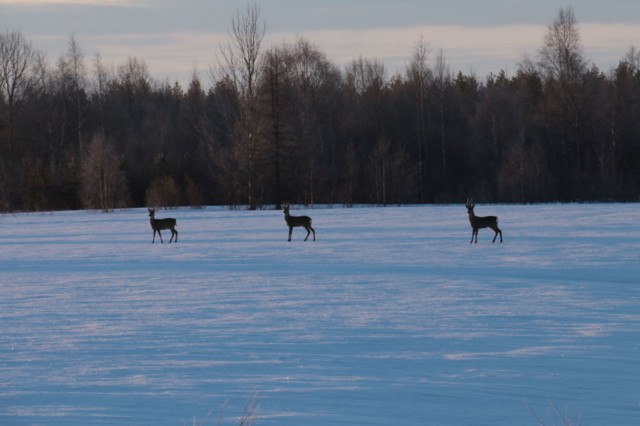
{"x":77,"y":69}
{"x":419,"y":76}
{"x":562,"y":62}
{"x":102,"y":77}
{"x":239,"y":58}
{"x":133,"y":76}
{"x":305,"y":86}
{"x":442,"y":78}
{"x":163,"y":192}
{"x":62,"y":84}
{"x":16,"y":59}
{"x":561,"y":55}
{"x":103,"y":182}
{"x":275,"y":70}
{"x":380,"y":169}
{"x":632,"y":58}
{"x":367,"y":76}
{"x":239,"y":64}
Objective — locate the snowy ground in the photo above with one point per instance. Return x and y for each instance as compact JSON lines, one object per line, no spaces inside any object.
{"x":390,"y":318}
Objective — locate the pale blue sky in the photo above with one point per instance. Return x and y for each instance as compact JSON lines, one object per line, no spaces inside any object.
{"x":176,"y":36}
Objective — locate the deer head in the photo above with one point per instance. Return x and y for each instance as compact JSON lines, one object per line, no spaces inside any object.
{"x":470,"y":206}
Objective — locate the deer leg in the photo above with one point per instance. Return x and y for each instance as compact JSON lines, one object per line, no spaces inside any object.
{"x":476,"y":232}
{"x":154,"y":237}
{"x":308,"y":232}
{"x":160,"y":235}
{"x":290,"y":230}
{"x":497,"y":231}
{"x":176,"y":231}
{"x":314,"y":233}
{"x":473,"y":232}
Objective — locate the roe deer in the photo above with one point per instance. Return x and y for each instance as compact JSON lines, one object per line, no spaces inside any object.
{"x":294,"y":221}
{"x":159,"y":224}
{"x":482,"y":222}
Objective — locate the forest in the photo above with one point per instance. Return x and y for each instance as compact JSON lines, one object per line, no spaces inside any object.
{"x":286,"y":125}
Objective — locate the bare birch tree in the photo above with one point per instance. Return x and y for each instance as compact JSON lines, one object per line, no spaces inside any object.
{"x":562,"y":61}
{"x":419,"y":75}
{"x":561,"y":54}
{"x":239,"y":63}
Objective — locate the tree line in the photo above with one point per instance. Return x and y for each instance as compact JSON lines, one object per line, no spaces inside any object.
{"x":286,"y":125}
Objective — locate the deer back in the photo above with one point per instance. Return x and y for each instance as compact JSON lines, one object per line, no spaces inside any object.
{"x":483,"y":221}
{"x":167,"y":223}
{"x":159,"y":224}
{"x":294,"y":221}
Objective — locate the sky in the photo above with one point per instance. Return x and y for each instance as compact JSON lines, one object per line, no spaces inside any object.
{"x":177,"y":37}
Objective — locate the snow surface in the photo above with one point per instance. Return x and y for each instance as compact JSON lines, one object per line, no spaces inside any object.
{"x":390,"y":318}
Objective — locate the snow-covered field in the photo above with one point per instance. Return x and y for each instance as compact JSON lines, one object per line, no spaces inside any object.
{"x":390,"y":318}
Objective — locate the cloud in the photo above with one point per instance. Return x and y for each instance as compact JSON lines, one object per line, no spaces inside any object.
{"x":469,"y":49}
{"x":607,"y":44}
{"x":461,"y":45}
{"x":69,"y":2}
